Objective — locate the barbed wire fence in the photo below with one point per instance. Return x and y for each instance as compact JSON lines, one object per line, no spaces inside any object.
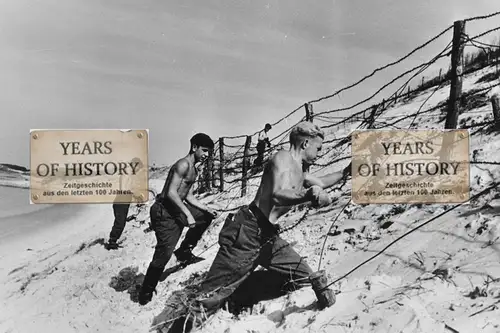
{"x":372,"y":116}
{"x":232,"y":167}
{"x":493,"y":186}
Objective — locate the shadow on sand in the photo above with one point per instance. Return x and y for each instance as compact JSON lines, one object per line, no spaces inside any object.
{"x":261,"y":285}
{"x":171,"y":270}
{"x":128,"y":280}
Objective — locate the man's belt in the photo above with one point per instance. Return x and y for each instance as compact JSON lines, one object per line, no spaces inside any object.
{"x":263,"y":222}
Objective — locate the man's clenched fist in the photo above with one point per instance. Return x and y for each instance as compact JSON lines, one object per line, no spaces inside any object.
{"x":314,"y":191}
{"x":320,"y":197}
{"x":323,"y":199}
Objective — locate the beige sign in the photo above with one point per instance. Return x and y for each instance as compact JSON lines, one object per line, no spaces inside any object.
{"x":89,"y":166}
{"x":410,"y":166}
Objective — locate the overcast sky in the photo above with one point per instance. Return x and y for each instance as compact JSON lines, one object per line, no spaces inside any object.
{"x":181,"y":67}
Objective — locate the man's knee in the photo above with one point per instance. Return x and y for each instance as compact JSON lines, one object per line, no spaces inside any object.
{"x":199,"y":216}
{"x":299,"y":270}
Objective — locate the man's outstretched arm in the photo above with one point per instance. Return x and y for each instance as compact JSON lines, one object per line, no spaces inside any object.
{"x":328,"y":180}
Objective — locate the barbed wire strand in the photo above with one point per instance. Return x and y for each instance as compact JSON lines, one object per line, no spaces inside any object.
{"x":330,"y":230}
{"x":485,"y":33}
{"x":386,"y":66}
{"x":439,"y":56}
{"x":377,"y":116}
{"x":482,"y":17}
{"x":485,"y":191}
{"x":420,"y":71}
{"x":272,"y":124}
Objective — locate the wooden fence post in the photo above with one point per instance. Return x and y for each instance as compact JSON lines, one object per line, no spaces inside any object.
{"x":221,"y":164}
{"x":496,"y":56}
{"x":245,"y":167}
{"x":371,"y":119}
{"x":309,"y":117}
{"x":457,"y":54}
{"x":495,"y":103}
{"x":309,"y":112}
{"x":212,"y":169}
{"x":209,"y":170}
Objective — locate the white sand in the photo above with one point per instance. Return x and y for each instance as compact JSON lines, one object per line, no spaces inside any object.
{"x":434,"y":280}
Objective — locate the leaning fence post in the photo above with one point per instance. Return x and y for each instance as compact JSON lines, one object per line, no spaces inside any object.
{"x":457,"y":54}
{"x":246,"y":164}
{"x":221,"y":164}
{"x":309,"y":112}
{"x":371,"y":119}
{"x":495,"y":103}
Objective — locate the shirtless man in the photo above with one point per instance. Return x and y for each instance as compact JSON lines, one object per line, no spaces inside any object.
{"x":251,"y":238}
{"x":174,"y":208}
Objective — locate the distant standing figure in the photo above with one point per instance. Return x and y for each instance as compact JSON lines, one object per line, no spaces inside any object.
{"x":121,"y":207}
{"x":261,"y":144}
{"x":175,"y":208}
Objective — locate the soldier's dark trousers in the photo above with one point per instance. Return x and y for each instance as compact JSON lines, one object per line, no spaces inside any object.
{"x":261,"y":148}
{"x":168,"y":225}
{"x":245,"y":243}
{"x":120,"y":211}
